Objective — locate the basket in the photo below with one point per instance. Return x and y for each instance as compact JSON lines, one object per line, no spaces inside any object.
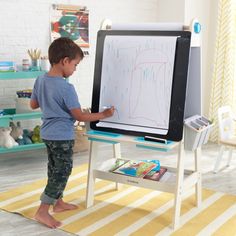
{"x":197,"y":130}
{"x":81,"y":141}
{"x":23,"y":105}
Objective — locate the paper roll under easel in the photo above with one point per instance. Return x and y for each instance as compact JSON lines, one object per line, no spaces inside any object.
{"x":194,"y":27}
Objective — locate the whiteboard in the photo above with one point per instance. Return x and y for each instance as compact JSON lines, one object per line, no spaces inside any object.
{"x":143,"y":74}
{"x":137,"y":75}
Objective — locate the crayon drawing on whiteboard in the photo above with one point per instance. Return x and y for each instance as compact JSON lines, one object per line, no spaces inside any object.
{"x":136,"y":78}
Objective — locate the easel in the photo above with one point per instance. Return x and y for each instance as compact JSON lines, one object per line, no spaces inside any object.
{"x":193,"y":177}
{"x":178,"y":188}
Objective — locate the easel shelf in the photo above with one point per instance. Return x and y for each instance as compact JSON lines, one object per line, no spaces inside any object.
{"x":184,"y":179}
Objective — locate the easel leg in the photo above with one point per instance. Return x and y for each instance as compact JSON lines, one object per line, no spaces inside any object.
{"x":91,"y":178}
{"x":198,"y":187}
{"x":117,"y":154}
{"x":116,"y":150}
{"x":179,"y":186}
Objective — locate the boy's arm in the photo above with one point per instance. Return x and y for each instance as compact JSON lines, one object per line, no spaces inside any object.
{"x":33,"y":100}
{"x":34,"y":104}
{"x":79,"y":115}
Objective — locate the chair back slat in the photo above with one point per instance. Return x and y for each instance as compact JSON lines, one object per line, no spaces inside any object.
{"x":226,"y":123}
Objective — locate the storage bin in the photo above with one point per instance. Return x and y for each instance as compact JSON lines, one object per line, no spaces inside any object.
{"x":81,"y":141}
{"x":23,"y":106}
{"x":196,"y":132}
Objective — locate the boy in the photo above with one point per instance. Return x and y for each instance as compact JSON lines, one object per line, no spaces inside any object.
{"x":60,"y":108}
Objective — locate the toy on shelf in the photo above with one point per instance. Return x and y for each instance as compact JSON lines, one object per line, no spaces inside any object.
{"x":36,"y":135}
{"x":6,"y":140}
{"x":26,"y":138}
{"x":16,"y":130}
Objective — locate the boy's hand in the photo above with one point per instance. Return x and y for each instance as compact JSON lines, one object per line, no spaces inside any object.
{"x":109,"y":112}
{"x":79,"y":115}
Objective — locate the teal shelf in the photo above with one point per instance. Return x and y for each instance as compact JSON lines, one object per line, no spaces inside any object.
{"x":22,"y":148}
{"x":11,"y":116}
{"x":23,"y":116}
{"x":20,"y":75}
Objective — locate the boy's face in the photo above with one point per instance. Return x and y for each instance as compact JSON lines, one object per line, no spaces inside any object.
{"x":69,"y":66}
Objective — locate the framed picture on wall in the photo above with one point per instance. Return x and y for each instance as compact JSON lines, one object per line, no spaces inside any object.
{"x":72,"y":22}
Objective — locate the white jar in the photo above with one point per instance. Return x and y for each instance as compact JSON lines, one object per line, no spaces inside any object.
{"x":25,"y":64}
{"x":45,"y":65}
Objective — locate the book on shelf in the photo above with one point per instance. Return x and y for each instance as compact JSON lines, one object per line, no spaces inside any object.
{"x":135,"y":168}
{"x":118,"y":162}
{"x":155,"y":175}
{"x":157,"y":162}
{"x":7,"y":66}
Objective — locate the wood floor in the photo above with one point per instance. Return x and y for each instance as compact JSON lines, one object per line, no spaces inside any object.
{"x":24,"y":167}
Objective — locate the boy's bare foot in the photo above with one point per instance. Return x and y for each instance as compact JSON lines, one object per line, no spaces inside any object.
{"x":63,"y":206}
{"x":46,"y":219}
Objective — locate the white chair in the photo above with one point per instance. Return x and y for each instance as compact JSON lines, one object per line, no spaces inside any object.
{"x":227,"y":139}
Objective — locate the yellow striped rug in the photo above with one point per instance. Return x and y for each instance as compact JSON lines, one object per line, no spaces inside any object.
{"x":128,"y":211}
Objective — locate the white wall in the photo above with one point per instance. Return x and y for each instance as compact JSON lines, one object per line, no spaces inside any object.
{"x":171,"y":11}
{"x":206,"y":12}
{"x":25,"y":24}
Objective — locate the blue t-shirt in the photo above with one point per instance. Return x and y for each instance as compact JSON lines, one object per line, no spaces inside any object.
{"x":56,"y":97}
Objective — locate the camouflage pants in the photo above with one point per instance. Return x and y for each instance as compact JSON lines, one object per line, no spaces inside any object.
{"x":60,"y":165}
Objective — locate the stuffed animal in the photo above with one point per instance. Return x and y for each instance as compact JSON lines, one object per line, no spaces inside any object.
{"x":16,"y":131}
{"x":6,"y":140}
{"x":26,"y":138}
{"x":36,"y":135}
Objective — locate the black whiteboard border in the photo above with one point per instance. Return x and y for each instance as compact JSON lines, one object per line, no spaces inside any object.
{"x":178,"y":94}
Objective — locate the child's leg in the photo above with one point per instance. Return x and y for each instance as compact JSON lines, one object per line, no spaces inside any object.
{"x":66,"y":157}
{"x":59,"y":169}
{"x":45,"y":218}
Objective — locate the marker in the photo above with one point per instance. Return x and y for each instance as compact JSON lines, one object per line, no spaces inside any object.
{"x":106,"y":107}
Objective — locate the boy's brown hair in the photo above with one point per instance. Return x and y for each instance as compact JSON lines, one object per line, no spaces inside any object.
{"x":63,"y":47}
